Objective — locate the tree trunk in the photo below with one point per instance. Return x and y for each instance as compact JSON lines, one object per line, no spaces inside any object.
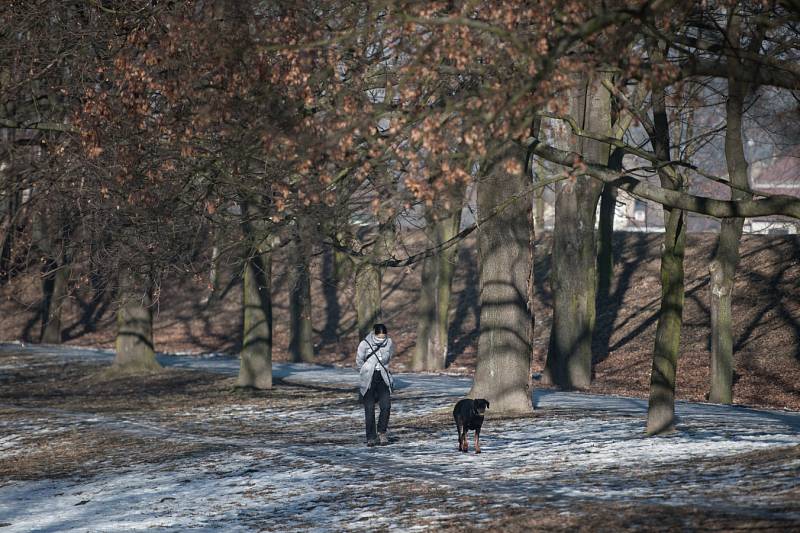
{"x":426,"y":314}
{"x":8,"y":207}
{"x":10,"y":230}
{"x":255,"y":365}
{"x":573,"y":276}
{"x":330,"y":291}
{"x":368,"y":297}
{"x":505,"y":255}
{"x":447,"y":265}
{"x":368,"y":279}
{"x":434,"y":300}
{"x":51,"y":332}
{"x":538,"y":222}
{"x":135,"y":347}
{"x":661,"y":407}
{"x":301,"y":345}
{"x":722,"y":269}
{"x":605,"y":248}
{"x":213,"y":273}
{"x":255,"y":369}
{"x":342,"y":262}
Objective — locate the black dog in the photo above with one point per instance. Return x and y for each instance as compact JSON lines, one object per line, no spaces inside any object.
{"x":469,"y":415}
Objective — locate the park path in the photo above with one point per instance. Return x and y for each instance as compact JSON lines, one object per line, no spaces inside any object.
{"x":584,"y":449}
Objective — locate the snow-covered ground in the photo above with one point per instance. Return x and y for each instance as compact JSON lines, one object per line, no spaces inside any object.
{"x":588,"y":449}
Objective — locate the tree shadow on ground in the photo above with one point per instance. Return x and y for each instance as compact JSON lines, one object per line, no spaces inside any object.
{"x":608,"y":306}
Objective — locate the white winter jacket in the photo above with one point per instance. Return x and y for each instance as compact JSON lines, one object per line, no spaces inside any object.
{"x":367,"y":363}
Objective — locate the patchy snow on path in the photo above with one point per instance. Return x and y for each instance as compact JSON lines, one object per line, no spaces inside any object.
{"x":588,"y":449}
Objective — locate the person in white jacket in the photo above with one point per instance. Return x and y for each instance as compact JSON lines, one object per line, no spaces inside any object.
{"x":374,"y":353}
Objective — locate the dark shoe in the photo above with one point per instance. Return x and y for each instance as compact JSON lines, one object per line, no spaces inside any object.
{"x":371,"y":443}
{"x":383,"y":440}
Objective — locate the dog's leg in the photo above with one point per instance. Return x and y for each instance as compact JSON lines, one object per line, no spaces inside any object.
{"x":466,"y":441}
{"x":477,"y":442}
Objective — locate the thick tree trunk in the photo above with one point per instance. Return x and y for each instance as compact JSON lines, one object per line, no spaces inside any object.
{"x":722,"y":272}
{"x":434,"y":300}
{"x":368,"y":280}
{"x":569,"y":357}
{"x":722,"y":269}
{"x":342,"y":262}
{"x":301,"y":345}
{"x":134,"y":346}
{"x":368,"y":297}
{"x":255,"y":365}
{"x":573,"y":276}
{"x":255,"y":368}
{"x":505,"y":256}
{"x":51,"y":331}
{"x":330,"y":291}
{"x":447,"y":265}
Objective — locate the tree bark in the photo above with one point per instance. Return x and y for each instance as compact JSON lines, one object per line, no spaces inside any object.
{"x":330,"y":292}
{"x":605,"y":248}
{"x":368,"y":297}
{"x":505,"y":255}
{"x":368,"y":280}
{"x":53,"y":235}
{"x":342,"y":262}
{"x":213,"y":272}
{"x":444,"y":289}
{"x":255,"y":369}
{"x":434,"y":300}
{"x":255,"y":364}
{"x":722,"y":269}
{"x":10,"y":230}
{"x":538,"y":221}
{"x":574,"y":276}
{"x":661,"y":406}
{"x":134,"y":345}
{"x":426,"y":314}
{"x":301,"y":345}
{"x":51,"y":332}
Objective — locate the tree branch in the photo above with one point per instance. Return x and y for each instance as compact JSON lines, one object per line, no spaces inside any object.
{"x":37,"y":125}
{"x":773,"y":205}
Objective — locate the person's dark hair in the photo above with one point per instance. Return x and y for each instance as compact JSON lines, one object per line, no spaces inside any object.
{"x":379,"y":328}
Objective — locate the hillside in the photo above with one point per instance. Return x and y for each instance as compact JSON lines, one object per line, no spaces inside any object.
{"x":766,"y":315}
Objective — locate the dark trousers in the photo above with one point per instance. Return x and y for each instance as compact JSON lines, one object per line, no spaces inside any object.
{"x":378,"y":392}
